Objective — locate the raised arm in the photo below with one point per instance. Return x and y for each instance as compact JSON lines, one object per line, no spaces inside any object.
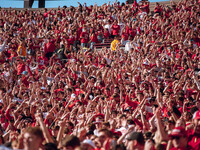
{"x":45,"y":131}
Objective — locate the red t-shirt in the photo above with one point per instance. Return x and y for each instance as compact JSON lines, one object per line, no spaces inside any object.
{"x":49,"y":47}
{"x":133,"y":104}
{"x":125,"y":36}
{"x":42,"y":61}
{"x":194,"y":141}
{"x":25,"y":81}
{"x":45,"y":14}
{"x":132,"y":32}
{"x":71,"y":40}
{"x":116,"y":29}
{"x":20,"y":68}
{"x":93,"y":38}
{"x":84,"y":37}
{"x":8,"y":116}
{"x":106,"y":34}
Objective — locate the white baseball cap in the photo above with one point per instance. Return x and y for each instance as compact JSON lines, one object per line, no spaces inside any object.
{"x":90,"y":142}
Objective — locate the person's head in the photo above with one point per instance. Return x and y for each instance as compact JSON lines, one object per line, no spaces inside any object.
{"x":69,"y":91}
{"x":60,"y":94}
{"x":98,"y":123}
{"x":33,"y":138}
{"x":50,"y":146}
{"x":106,"y":125}
{"x":107,"y":91}
{"x":193,"y":110}
{"x":88,"y":145}
{"x":114,"y":113}
{"x":24,"y":73}
{"x":149,"y":144}
{"x":170,"y":125}
{"x":70,"y":125}
{"x":187,"y":116}
{"x":84,"y":29}
{"x":103,"y":134}
{"x":55,"y":130}
{"x":139,"y":95}
{"x":180,"y":123}
{"x":116,"y":89}
{"x":116,"y":97}
{"x":135,"y":141}
{"x":130,"y":38}
{"x":70,"y":142}
{"x":179,"y":138}
{"x":120,"y":147}
{"x":116,"y":37}
{"x":196,"y":120}
{"x":27,"y":111}
{"x":89,"y":134}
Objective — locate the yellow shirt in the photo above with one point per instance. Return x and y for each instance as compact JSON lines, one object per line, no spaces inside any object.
{"x":114,"y":44}
{"x":21,"y":51}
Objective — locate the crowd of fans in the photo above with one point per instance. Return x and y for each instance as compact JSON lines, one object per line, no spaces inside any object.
{"x":57,"y":91}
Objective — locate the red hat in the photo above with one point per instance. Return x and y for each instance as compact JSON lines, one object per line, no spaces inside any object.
{"x":98,"y":122}
{"x":118,"y":133}
{"x":196,"y":115}
{"x":178,"y":132}
{"x":99,"y":115}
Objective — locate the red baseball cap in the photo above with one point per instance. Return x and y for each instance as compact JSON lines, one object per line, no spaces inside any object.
{"x":178,"y":132}
{"x":99,"y":115}
{"x":196,"y":115}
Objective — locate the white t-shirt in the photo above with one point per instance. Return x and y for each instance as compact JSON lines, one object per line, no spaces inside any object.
{"x":108,"y":26}
{"x":122,"y":130}
{"x":3,"y":46}
{"x":128,"y":46}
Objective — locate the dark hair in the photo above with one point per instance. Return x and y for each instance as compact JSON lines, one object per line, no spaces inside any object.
{"x":82,"y":95}
{"x":120,"y":146}
{"x":56,"y":128}
{"x":35,"y":131}
{"x":49,"y":105}
{"x":193,"y":110}
{"x":8,"y":144}
{"x":71,"y":124}
{"x":71,"y":141}
{"x":123,"y":115}
{"x":107,"y":124}
{"x":130,"y":122}
{"x":114,"y":112}
{"x":116,"y":36}
{"x":66,"y":131}
{"x":90,"y":132}
{"x":148,"y":135}
{"x":107,"y":132}
{"x":50,"y":146}
{"x":153,"y":99}
{"x":69,"y":89}
{"x":91,"y":127}
{"x":181,"y":99}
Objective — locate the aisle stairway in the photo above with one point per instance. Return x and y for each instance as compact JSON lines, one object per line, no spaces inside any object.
{"x":106,"y":44}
